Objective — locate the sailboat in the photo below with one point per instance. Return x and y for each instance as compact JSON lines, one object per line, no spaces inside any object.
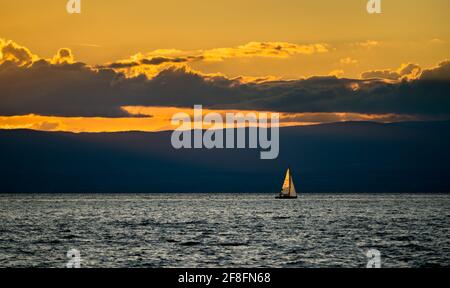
{"x":288,"y":189}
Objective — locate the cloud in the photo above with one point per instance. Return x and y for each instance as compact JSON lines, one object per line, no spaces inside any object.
{"x":368,"y":44}
{"x":405,"y":71}
{"x":441,"y":72}
{"x":22,"y":56}
{"x":45,"y":126}
{"x":161,"y":60}
{"x":381,"y":74}
{"x":64,"y":89}
{"x":130,"y":63}
{"x":12,"y":52}
{"x":311,"y":118}
{"x":348,"y":60}
{"x":249,"y":50}
{"x":436,"y":41}
{"x":75,"y":89}
{"x":23,"y":122}
{"x":64,"y":55}
{"x":263,"y":49}
{"x":337,"y":73}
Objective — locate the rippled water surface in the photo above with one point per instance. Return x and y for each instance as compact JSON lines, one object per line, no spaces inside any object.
{"x":220,"y":230}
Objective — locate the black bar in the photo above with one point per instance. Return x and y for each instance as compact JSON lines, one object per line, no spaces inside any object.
{"x":222,"y":277}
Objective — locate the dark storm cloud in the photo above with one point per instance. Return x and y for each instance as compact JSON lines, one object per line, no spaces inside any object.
{"x":61,"y":90}
{"x":442,"y":72}
{"x":120,"y":65}
{"x":77,"y":90}
{"x":161,"y":60}
{"x":150,"y":61}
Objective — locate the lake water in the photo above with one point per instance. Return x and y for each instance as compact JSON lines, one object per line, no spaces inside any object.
{"x":224,"y":230}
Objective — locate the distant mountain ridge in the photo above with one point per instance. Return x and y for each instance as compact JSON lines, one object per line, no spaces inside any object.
{"x":338,"y":157}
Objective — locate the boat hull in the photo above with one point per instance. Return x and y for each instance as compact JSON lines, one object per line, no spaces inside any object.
{"x":286,"y":197}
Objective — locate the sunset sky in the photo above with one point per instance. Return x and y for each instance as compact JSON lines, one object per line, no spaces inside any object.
{"x":313,"y":61}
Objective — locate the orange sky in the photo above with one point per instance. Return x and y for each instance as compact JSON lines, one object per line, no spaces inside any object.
{"x":160,"y":120}
{"x":108,"y":30}
{"x":253,"y":40}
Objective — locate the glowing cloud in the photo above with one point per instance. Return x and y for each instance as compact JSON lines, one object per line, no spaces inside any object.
{"x":263,"y":49}
{"x":64,"y":55}
{"x":408,"y":71}
{"x":64,"y":88}
{"x":249,"y":50}
{"x":11,"y":51}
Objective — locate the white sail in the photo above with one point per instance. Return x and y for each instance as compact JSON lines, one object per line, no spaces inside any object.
{"x":288,"y":189}
{"x":292,"y":192}
{"x":285,"y":190}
